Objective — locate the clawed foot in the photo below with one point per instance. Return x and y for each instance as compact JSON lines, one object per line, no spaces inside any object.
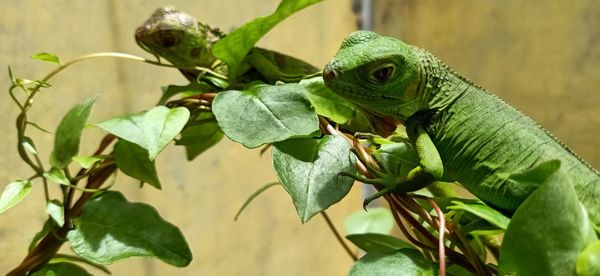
{"x":388,"y":183}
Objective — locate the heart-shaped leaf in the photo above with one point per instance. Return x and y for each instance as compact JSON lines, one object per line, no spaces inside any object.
{"x":128,"y":127}
{"x":152,"y":130}
{"x":309,"y":171}
{"x":111,"y":228}
{"x":265,"y":114}
{"x":161,"y":125}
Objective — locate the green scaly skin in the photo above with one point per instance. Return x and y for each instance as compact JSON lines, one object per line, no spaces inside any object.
{"x":186,"y":43}
{"x":457,"y":128}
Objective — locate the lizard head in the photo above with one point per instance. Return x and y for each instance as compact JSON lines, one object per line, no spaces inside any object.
{"x":379,"y":74}
{"x":177,"y":37}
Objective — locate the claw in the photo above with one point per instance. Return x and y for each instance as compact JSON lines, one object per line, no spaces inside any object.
{"x":372,"y":181}
{"x":375,"y":196}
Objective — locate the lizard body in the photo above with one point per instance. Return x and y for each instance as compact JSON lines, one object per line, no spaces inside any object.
{"x":186,"y":43}
{"x":456,"y":127}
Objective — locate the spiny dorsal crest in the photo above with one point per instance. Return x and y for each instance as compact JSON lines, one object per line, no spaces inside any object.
{"x":358,"y":37}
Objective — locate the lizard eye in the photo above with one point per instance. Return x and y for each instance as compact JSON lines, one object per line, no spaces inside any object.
{"x":167,"y":40}
{"x":383,"y":73}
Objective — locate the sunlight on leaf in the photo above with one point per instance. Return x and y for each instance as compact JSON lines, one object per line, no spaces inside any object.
{"x":483,"y":211}
{"x":265,"y":114}
{"x":160,"y":127}
{"x":57,"y":175}
{"x":309,"y":171}
{"x":13,"y":193}
{"x":326,"y":102}
{"x":235,"y":46}
{"x":52,"y":58}
{"x":29,"y":146}
{"x":588,"y":262}
{"x":87,"y":162}
{"x":56,"y":211}
{"x":128,"y":127}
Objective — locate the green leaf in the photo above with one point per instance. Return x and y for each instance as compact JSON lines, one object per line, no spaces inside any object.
{"x":127,"y":127}
{"x":28,"y":144}
{"x":265,"y":114}
{"x":60,"y":269}
{"x":479,"y":227}
{"x":375,"y":242}
{"x":57,"y":175}
{"x":161,"y":125}
{"x":483,"y":211}
{"x":401,"y":262}
{"x":56,"y":211}
{"x":374,"y":220}
{"x":87,"y":162}
{"x":13,"y":193}
{"x":52,"y":58}
{"x":588,"y":262}
{"x":326,"y":102}
{"x":64,"y":258}
{"x":547,"y":232}
{"x":111,"y":228}
{"x":152,"y":130}
{"x":201,"y":136}
{"x":68,"y":134}
{"x":133,"y":160}
{"x":235,"y":46}
{"x":193,"y":88}
{"x":309,"y":171}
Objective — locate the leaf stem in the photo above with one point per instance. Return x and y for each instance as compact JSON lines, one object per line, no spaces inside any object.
{"x":338,"y":236}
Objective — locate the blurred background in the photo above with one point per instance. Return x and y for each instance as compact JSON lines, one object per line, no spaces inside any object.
{"x":541,"y":57}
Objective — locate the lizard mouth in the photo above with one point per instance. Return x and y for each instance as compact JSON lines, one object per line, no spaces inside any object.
{"x":349,"y":91}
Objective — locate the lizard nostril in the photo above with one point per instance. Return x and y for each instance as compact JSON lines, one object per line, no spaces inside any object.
{"x":329,"y":75}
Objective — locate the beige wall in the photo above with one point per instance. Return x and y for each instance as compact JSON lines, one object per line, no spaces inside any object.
{"x":540,"y":56}
{"x":202,"y":196}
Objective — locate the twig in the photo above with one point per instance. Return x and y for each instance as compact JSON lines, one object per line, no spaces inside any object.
{"x":338,"y":236}
{"x":441,"y":230}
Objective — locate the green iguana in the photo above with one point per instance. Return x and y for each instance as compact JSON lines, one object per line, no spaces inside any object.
{"x":186,"y":43}
{"x":457,"y":128}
